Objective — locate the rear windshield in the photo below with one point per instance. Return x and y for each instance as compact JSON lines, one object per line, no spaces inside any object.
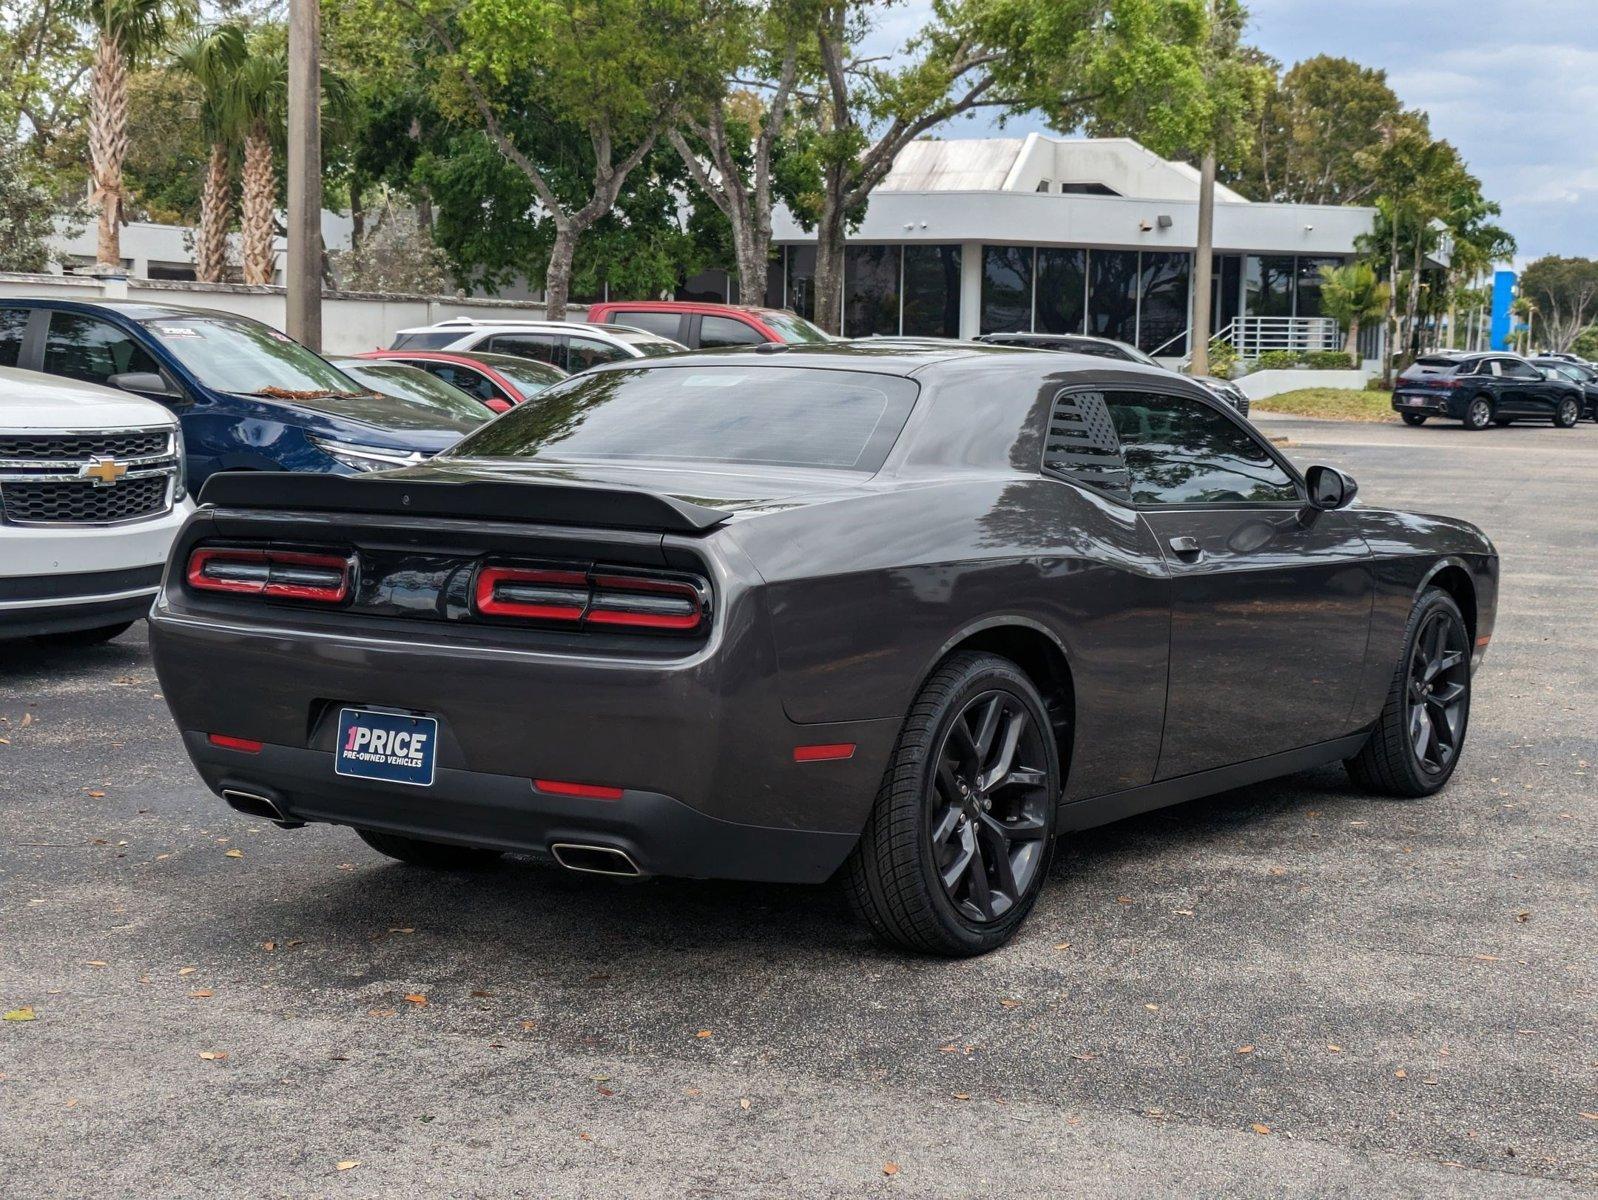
{"x":1435,"y":364}
{"x":431,"y":340}
{"x":776,"y":416}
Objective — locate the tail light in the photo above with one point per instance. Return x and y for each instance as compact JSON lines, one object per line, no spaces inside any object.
{"x":273,"y":574}
{"x":670,"y":604}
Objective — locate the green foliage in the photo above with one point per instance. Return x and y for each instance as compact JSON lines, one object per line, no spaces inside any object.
{"x":1278,"y":360}
{"x":167,"y":148}
{"x":1328,"y":360}
{"x":1352,"y":294}
{"x":141,"y":29}
{"x":396,"y":255}
{"x":27,"y":209}
{"x":1586,"y":344}
{"x":1223,"y":358}
{"x":1564,"y":293}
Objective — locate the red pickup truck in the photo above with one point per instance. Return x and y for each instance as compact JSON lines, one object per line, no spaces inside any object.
{"x":704,"y":326}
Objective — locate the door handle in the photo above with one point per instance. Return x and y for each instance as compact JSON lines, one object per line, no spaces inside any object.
{"x":1186,"y":547}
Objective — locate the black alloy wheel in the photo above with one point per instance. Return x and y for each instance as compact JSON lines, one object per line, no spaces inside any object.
{"x":1479,"y":413}
{"x":957,"y":846}
{"x":1569,"y":413}
{"x":1439,"y":689}
{"x":987,"y":812}
{"x":1417,"y":741}
{"x":1413,"y":418}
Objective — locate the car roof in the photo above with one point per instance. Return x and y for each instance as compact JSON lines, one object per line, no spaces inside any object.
{"x":490,"y":359}
{"x":692,"y":306}
{"x":467,"y":325}
{"x":133,"y":310}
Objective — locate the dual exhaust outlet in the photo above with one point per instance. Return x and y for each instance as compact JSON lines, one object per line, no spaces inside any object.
{"x":585,"y":857}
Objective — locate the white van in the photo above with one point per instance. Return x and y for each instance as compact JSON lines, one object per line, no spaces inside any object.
{"x":91,"y":495}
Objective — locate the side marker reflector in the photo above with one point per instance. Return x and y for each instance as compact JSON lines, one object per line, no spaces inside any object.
{"x":585,"y":791}
{"x":243,"y":745}
{"x":826,"y":753}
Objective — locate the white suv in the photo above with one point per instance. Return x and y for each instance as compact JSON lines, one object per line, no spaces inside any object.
{"x":570,"y":345}
{"x":91,"y":496}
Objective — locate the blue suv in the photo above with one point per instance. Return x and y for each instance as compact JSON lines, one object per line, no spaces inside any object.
{"x":248,"y":397}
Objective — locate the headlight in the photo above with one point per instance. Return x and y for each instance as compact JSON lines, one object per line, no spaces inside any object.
{"x":365,"y":458}
{"x":180,"y":483}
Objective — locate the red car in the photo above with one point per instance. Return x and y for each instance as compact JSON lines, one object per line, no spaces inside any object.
{"x":702,"y":326}
{"x":500,"y":381}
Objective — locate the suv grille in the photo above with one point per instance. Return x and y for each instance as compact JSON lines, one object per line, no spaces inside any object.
{"x":88,"y":478}
{"x":63,"y":447}
{"x":83,"y":503}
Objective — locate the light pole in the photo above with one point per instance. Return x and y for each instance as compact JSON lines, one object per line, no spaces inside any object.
{"x":305,"y":174}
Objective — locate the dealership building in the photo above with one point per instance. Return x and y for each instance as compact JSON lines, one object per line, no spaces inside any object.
{"x":1071,"y":235}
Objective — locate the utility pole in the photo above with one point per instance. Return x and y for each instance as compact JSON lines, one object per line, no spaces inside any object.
{"x":305,"y":173}
{"x":1203,"y":264}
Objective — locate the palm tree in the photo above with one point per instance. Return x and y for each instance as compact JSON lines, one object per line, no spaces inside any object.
{"x":126,"y":31}
{"x":260,"y":99}
{"x":1353,"y":295}
{"x":212,"y":59}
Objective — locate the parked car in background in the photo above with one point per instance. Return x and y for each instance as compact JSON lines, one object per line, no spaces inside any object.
{"x":92,"y":493}
{"x":704,"y":326}
{"x":400,"y":381}
{"x":1485,"y":389}
{"x":572,"y":346}
{"x":1578,"y":373}
{"x":1097,"y":347}
{"x":898,"y":616}
{"x":248,"y":396}
{"x":498,"y":381}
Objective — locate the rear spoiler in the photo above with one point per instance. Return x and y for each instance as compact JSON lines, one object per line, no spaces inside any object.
{"x":564,"y":503}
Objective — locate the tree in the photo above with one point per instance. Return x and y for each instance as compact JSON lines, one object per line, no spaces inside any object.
{"x":737,"y":135}
{"x":126,"y":33}
{"x":396,"y":255}
{"x":27,"y":211}
{"x":1564,"y":293}
{"x":212,"y":59}
{"x":1354,"y":296}
{"x":1318,"y":125}
{"x":513,"y":65}
{"x":259,"y":99}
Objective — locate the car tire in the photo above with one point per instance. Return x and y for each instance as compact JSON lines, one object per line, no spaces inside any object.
{"x":1416,"y":742}
{"x":1413,"y":418}
{"x":97,"y":636}
{"x":1479,"y":413}
{"x":418,"y":852}
{"x":939,"y":868}
{"x":1567,"y":415}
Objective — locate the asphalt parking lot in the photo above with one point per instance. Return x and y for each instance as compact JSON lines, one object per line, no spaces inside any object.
{"x":1290,"y":989}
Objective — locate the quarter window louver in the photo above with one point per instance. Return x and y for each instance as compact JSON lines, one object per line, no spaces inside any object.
{"x":1082,"y":445}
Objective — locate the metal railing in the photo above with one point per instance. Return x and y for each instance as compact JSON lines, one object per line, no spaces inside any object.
{"x":1253,"y":336}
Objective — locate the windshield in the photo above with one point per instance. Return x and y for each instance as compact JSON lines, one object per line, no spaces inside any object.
{"x":235,"y":354}
{"x":646,"y":344}
{"x":409,"y":383}
{"x":779,"y":416}
{"x":427,"y":339}
{"x":529,"y":377}
{"x":792,"y":329}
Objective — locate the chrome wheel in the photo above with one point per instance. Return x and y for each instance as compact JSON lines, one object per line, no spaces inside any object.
{"x":988,"y":806}
{"x":1569,"y":414}
{"x":1480,"y":413}
{"x":1439,"y":691}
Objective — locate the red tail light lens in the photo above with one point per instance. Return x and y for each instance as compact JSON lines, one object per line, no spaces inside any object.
{"x":229,"y":742}
{"x":274,"y":574}
{"x":597,"y":597}
{"x":584,"y":791}
{"x":536,"y":594}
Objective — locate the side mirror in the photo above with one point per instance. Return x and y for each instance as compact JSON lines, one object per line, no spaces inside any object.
{"x":148,"y":383}
{"x":1329,"y":488}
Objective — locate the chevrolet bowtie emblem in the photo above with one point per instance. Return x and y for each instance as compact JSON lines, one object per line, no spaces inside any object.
{"x":104,"y":471}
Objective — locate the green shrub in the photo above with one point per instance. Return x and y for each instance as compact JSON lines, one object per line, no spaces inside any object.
{"x":1329,"y":360}
{"x":1223,"y":358}
{"x":1280,"y":360}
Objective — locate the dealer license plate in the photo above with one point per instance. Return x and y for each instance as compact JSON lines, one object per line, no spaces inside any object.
{"x":386,"y":746}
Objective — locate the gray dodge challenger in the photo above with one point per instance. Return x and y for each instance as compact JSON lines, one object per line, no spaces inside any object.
{"x":899,"y":615}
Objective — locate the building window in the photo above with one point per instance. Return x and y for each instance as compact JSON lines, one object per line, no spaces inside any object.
{"x":1043,"y":185}
{"x":932,"y":291}
{"x":1162,"y":306}
{"x":870,"y":290}
{"x":1269,"y":285}
{"x":1112,"y":294}
{"x":1006,"y":289}
{"x":802,"y":280}
{"x":1226,"y":288}
{"x":712,"y":287}
{"x":1309,"y":285}
{"x":1062,"y":290}
{"x":776,"y":279}
{"x":1088,"y":189}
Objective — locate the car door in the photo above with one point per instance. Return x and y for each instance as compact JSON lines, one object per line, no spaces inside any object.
{"x":1270,"y":599}
{"x":1526,"y":392}
{"x":716,"y":331}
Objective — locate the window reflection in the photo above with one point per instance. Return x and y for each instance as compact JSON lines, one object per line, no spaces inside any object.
{"x":1062,"y":290}
{"x":87,"y":348}
{"x":931,"y":291}
{"x":1112,"y":294}
{"x":1180,"y":451}
{"x":1162,"y":314}
{"x":1006,"y":289}
{"x":870,"y":291}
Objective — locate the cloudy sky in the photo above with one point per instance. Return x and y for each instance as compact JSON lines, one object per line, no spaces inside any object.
{"x":1513,"y":84}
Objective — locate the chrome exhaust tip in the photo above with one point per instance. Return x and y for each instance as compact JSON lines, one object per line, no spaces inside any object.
{"x":253,"y":805}
{"x":594,"y":860}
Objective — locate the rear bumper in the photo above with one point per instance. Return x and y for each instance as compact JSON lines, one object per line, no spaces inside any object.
{"x":1440,"y":404}
{"x":662,"y":835}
